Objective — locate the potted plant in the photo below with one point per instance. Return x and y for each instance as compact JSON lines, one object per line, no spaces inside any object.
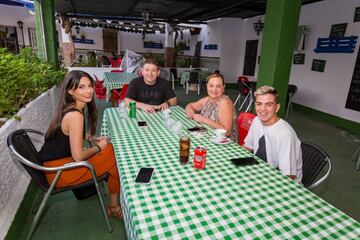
{"x":23,"y":78}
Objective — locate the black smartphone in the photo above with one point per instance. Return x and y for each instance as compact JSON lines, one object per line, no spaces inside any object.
{"x":244,"y":161}
{"x":142,"y":124}
{"x":197,"y":129}
{"x":144,"y":175}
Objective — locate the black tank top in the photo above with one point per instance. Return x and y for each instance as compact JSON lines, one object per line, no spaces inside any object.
{"x":58,"y":146}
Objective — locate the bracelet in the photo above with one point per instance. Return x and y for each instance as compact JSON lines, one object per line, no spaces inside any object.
{"x":98,"y":147}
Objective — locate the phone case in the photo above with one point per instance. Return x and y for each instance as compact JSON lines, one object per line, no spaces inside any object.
{"x":144,"y":177}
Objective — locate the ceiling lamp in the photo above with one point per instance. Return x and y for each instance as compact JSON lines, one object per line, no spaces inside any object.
{"x":96,"y":20}
{"x":258,"y":26}
{"x":109,"y":21}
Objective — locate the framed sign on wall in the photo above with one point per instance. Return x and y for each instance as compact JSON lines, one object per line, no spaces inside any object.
{"x":318,"y":65}
{"x":299,"y":58}
{"x":338,"y":30}
{"x":357,"y":15}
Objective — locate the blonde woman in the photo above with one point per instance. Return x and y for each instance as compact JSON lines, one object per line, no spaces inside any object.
{"x":216,"y":109}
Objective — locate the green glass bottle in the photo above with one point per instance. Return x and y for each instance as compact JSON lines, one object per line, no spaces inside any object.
{"x":132,"y":112}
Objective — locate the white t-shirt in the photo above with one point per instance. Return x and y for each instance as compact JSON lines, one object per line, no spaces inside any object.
{"x":283,"y":147}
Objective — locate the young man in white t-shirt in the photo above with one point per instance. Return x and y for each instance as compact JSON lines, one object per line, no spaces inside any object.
{"x":273,"y":139}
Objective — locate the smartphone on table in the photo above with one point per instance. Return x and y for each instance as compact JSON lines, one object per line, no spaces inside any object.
{"x":244,"y":161}
{"x":144,"y":175}
{"x":197,"y":129}
{"x":142,"y":124}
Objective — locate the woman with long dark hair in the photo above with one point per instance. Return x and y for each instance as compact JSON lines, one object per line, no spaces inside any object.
{"x":66,"y":134}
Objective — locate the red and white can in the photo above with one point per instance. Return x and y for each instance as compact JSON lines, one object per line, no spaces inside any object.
{"x":200,"y":157}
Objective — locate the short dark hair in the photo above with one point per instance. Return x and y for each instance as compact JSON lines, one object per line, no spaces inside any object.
{"x":150,"y":61}
{"x":267,"y":90}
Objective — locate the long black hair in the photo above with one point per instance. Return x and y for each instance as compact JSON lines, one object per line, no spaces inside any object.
{"x":71,"y":82}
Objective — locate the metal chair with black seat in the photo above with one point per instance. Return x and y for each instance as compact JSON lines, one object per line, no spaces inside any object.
{"x":24,"y":150}
{"x":193,"y":79}
{"x":314,"y":160}
{"x":243,"y":90}
{"x":292,"y":89}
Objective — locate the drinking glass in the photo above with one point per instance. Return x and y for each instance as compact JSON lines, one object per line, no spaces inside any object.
{"x":122,"y":109}
{"x":184,"y":149}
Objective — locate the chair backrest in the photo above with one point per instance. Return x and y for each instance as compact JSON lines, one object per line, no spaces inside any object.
{"x":119,"y":95}
{"x":116,"y":70}
{"x":243,"y":88}
{"x":23,"y":148}
{"x":115,"y":63}
{"x":194,"y":77}
{"x":243,"y":124}
{"x":163,"y":73}
{"x":100,"y":90}
{"x":174,"y":72}
{"x":314,"y":160}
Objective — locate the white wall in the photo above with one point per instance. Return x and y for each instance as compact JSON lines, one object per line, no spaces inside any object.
{"x":327,"y":91}
{"x":10,"y":15}
{"x":13,"y":178}
{"x":230,"y":54}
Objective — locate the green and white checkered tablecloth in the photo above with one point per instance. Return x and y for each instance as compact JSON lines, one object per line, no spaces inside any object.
{"x":116,"y":80}
{"x":219,"y":202}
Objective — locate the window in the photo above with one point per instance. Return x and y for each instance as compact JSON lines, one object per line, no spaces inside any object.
{"x":110,"y":40}
{"x":32,"y":38}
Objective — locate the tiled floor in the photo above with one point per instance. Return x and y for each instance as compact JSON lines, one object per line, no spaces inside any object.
{"x":68,"y":218}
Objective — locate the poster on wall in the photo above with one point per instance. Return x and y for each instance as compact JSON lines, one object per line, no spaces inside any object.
{"x":318,"y":65}
{"x":357,"y":15}
{"x":353,"y":98}
{"x":338,"y":30}
{"x":299,"y":58}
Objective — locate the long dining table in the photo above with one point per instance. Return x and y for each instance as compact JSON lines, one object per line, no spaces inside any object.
{"x":221,"y":201}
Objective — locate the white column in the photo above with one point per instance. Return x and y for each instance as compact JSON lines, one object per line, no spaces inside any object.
{"x":169,"y":42}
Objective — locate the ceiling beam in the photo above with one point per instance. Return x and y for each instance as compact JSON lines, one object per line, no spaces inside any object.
{"x":205,"y":14}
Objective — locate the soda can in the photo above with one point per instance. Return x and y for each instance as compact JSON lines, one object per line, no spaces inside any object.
{"x":132,"y":112}
{"x":200,"y":157}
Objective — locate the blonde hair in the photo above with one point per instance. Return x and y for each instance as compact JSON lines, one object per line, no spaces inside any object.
{"x":216,"y":75}
{"x":267,"y":90}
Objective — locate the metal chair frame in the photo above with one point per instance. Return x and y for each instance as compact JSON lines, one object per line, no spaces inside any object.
{"x":354,"y":158}
{"x":193,"y":80}
{"x":168,"y":76}
{"x":316,"y":171}
{"x":292,"y":89}
{"x":249,"y":98}
{"x":51,"y":189}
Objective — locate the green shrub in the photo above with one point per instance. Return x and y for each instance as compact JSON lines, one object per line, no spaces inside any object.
{"x":23,"y":77}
